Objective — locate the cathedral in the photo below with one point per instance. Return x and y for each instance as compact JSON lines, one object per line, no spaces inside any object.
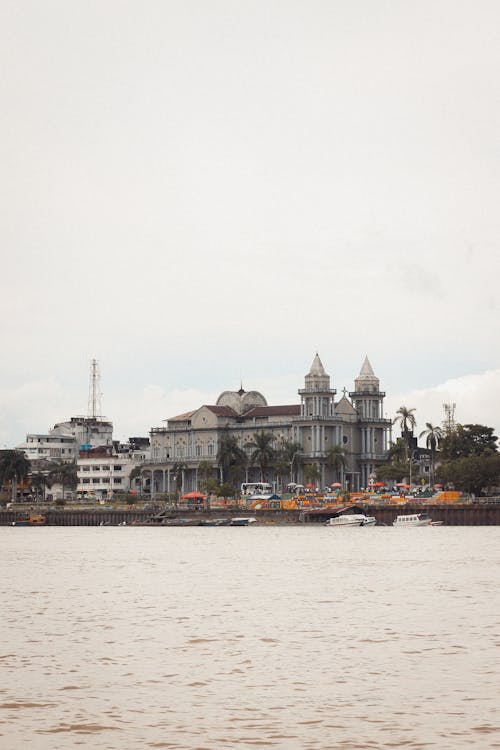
{"x":355,"y":422}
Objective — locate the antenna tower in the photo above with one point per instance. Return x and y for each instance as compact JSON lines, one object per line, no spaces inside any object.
{"x":449,"y":418}
{"x":94,"y":407}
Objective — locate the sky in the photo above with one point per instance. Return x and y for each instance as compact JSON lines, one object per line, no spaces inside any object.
{"x":205,"y":193}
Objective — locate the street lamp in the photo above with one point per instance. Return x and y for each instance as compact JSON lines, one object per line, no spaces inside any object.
{"x":291,"y":464}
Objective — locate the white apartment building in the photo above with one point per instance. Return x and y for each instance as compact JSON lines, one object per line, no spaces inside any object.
{"x":104,"y":472}
{"x":64,"y":440}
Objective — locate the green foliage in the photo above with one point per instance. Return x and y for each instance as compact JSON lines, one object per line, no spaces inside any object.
{"x":231,"y":458}
{"x":226,"y":490}
{"x":65,"y":474}
{"x":311,"y":473}
{"x":177,"y":473}
{"x":406,"y":419}
{"x":433,"y":435}
{"x":393,"y":472}
{"x":211,"y":486}
{"x":263,"y":453}
{"x":14,"y":466}
{"x":471,"y":473}
{"x":396,"y":453}
{"x":468,"y":440}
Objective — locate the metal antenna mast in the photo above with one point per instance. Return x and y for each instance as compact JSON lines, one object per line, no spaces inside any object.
{"x":449,"y":418}
{"x":94,"y":407}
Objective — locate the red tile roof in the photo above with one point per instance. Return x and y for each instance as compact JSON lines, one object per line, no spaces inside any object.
{"x":287,"y":410}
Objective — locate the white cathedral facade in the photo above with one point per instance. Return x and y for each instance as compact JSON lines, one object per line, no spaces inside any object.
{"x":355,"y":422}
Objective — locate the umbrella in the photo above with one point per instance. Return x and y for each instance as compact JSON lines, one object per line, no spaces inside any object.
{"x":336,"y":484}
{"x":193,"y":496}
{"x":379,"y":484}
{"x":401,"y":484}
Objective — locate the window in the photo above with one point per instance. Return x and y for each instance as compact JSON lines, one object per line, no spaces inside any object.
{"x":117,"y":468}
{"x":86,"y":480}
{"x":85,"y":468}
{"x":96,"y":481}
{"x":96,"y":468}
{"x":197,"y":450}
{"x":105,"y":468}
{"x":118,"y":480}
{"x":105,"y":480}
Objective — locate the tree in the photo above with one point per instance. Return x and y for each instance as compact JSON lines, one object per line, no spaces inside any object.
{"x":468,"y":440}
{"x":14,"y":466}
{"x":291,"y":451}
{"x":231,"y":459}
{"x":40,"y":481}
{"x":65,"y":474}
{"x":396,"y":452}
{"x":312,"y":474}
{"x":407,"y":421}
{"x":178,"y":475}
{"x":263,"y":452}
{"x":432,"y":437}
{"x":395,"y":471}
{"x":471,"y":473}
{"x":335,"y":459}
{"x":205,"y":472}
{"x":136,"y":473}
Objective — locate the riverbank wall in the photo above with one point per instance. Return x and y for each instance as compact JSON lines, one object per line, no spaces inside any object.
{"x":450,"y":515}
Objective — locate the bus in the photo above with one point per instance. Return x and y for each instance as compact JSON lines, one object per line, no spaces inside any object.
{"x":256,"y":488}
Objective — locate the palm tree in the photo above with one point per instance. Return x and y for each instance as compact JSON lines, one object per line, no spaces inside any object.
{"x":396,"y":452}
{"x":40,"y":481}
{"x":65,"y":474}
{"x":231,"y":459}
{"x":14,"y":466}
{"x":205,"y":472}
{"x":335,"y":459}
{"x":433,"y":435}
{"x":290,"y":452}
{"x":178,"y":474}
{"x":136,"y":473}
{"x":406,"y":419}
{"x":311,"y":473}
{"x":263,"y":452}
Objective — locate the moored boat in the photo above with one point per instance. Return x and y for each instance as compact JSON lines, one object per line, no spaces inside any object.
{"x":415,"y":519}
{"x":242,"y":521}
{"x":351,"y":519}
{"x":32,"y":520}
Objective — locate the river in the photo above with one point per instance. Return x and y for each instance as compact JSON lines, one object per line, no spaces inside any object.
{"x":290,"y":637}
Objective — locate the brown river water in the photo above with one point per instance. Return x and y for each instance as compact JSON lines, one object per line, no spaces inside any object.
{"x":305,"y":638}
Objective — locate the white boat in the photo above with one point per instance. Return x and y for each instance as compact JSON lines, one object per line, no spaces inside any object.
{"x":415,"y":519}
{"x":242,"y":521}
{"x":351,"y":519}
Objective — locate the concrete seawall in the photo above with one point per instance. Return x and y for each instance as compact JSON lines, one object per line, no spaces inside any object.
{"x":451,"y":515}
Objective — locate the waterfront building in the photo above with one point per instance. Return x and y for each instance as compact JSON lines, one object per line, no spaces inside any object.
{"x":62,"y":443}
{"x":355,"y":422}
{"x":105,"y":471}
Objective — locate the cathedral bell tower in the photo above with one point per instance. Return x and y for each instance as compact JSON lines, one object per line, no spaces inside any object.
{"x":368,"y":399}
{"x":316,"y":398}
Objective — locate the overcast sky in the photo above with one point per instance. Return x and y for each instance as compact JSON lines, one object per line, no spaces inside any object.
{"x":203,"y":193}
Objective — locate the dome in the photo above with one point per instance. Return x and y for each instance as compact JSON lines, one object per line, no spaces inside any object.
{"x":252,"y":399}
{"x":241,"y":401}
